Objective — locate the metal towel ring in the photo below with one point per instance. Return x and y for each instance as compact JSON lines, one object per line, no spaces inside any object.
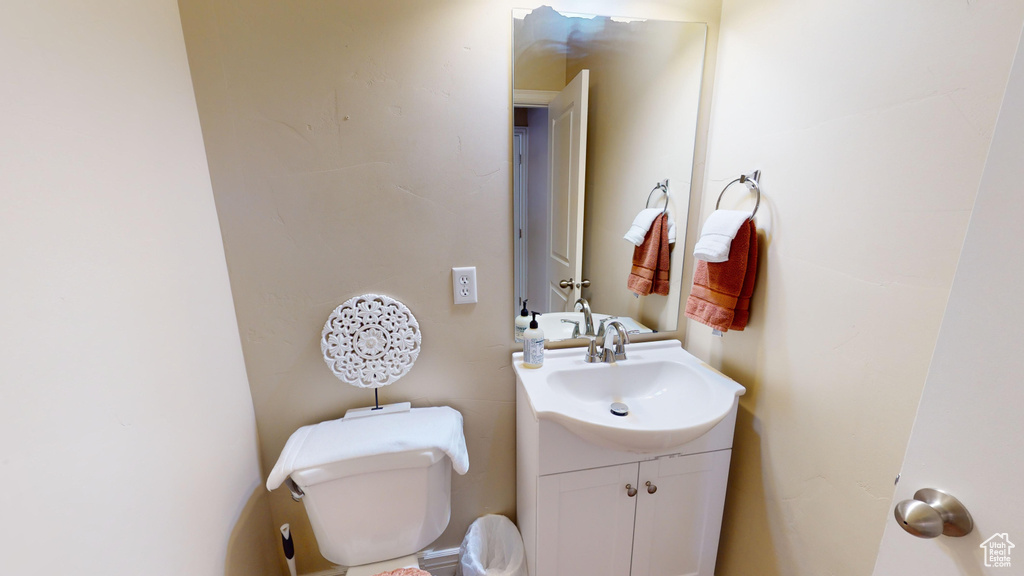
{"x":751,"y":182}
{"x":663,"y":186}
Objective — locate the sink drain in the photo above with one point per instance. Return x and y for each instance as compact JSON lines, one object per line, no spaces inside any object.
{"x":619,"y":409}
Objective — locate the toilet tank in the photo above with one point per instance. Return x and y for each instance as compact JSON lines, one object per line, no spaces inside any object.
{"x":376,"y":487}
{"x":377,"y":507}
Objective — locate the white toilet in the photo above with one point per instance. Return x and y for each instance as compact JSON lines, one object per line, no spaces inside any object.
{"x":376,"y":485}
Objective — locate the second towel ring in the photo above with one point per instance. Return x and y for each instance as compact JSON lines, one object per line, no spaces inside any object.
{"x":751,"y":182}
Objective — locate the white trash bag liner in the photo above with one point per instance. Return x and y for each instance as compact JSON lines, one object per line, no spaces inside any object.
{"x":493,"y":547}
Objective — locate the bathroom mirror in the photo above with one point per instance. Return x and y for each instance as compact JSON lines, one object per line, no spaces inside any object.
{"x":605,"y":109}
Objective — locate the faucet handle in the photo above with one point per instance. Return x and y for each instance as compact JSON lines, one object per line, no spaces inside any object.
{"x":575,"y":327}
{"x":600,"y":328}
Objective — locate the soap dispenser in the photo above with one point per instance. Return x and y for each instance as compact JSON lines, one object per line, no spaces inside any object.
{"x":522,"y":322}
{"x":533,"y":345}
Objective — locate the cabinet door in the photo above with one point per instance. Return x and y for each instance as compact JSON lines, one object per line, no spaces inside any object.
{"x":677,"y":527}
{"x":585,"y":522}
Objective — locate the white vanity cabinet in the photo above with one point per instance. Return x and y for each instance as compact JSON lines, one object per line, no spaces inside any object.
{"x":577,"y":516}
{"x":587,"y":522}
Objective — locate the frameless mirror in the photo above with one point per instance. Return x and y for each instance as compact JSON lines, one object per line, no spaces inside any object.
{"x":605,"y":110}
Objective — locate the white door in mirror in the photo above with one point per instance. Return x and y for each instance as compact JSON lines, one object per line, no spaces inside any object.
{"x":567,"y":145}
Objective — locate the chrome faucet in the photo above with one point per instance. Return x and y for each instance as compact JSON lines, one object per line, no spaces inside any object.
{"x":621,"y":339}
{"x":588,"y":318}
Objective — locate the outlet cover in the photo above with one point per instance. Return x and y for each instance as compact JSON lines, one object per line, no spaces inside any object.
{"x":464,"y":284}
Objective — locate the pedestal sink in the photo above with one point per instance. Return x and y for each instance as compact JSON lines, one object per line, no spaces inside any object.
{"x":670,"y":397}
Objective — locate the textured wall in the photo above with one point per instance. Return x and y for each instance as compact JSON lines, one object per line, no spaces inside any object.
{"x":127,"y":437}
{"x":871,"y":123}
{"x":363,"y":146}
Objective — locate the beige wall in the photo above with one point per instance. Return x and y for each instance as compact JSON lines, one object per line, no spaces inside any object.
{"x":871,"y":123}
{"x":359,"y":147}
{"x":127,"y":437}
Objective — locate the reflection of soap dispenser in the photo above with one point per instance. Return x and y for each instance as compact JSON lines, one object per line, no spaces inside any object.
{"x":522,"y":322}
{"x":533,"y":345}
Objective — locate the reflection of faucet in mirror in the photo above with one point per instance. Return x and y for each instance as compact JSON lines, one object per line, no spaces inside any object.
{"x":600,"y":327}
{"x":622,"y":338}
{"x":588,"y":318}
{"x":575,"y":327}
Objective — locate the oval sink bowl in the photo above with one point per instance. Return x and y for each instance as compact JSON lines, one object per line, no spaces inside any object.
{"x":672,"y":397}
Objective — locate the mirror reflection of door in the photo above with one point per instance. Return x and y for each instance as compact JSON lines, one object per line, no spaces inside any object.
{"x":550,"y":153}
{"x":567,"y":149}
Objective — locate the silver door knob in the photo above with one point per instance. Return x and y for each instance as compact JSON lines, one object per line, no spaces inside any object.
{"x":565,"y":283}
{"x":934,"y":513}
{"x":583,"y":284}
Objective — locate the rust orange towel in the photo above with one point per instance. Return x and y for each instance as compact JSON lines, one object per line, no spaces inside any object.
{"x":651,"y":261}
{"x":721,"y":291}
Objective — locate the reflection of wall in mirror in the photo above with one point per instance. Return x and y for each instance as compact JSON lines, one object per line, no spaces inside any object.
{"x":643,"y":122}
{"x":540,"y":51}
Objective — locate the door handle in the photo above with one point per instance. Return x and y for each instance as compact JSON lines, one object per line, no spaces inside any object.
{"x":565,"y":283}
{"x":651,"y":488}
{"x":934,"y":513}
{"x":583,"y":284}
{"x":630,"y":491}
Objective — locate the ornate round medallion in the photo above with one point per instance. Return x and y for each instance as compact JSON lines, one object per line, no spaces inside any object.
{"x":370,"y":341}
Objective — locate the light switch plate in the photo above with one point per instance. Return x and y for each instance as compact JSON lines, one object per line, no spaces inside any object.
{"x":464,"y":284}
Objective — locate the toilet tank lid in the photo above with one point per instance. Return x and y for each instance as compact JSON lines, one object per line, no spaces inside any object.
{"x":438,"y":427}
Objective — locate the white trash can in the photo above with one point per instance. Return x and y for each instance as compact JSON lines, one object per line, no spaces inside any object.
{"x":492,"y":547}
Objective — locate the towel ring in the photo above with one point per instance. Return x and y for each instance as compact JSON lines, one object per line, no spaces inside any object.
{"x":751,"y":182}
{"x":663,"y":186}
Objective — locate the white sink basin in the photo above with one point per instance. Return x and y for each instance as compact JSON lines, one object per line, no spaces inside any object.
{"x":672,"y":397}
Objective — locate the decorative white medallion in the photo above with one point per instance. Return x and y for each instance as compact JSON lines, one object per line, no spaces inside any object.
{"x":371,"y":341}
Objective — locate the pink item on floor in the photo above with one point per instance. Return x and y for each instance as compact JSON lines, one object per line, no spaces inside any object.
{"x":405,"y":572}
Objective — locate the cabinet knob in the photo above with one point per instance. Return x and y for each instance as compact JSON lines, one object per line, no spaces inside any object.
{"x":630,"y":491}
{"x":651,"y":488}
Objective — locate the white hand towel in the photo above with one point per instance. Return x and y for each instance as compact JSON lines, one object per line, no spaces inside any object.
{"x":437,"y":427}
{"x":642,"y":223}
{"x":717,"y":234}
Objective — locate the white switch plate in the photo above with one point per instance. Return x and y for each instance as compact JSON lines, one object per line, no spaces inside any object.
{"x":464,"y":284}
